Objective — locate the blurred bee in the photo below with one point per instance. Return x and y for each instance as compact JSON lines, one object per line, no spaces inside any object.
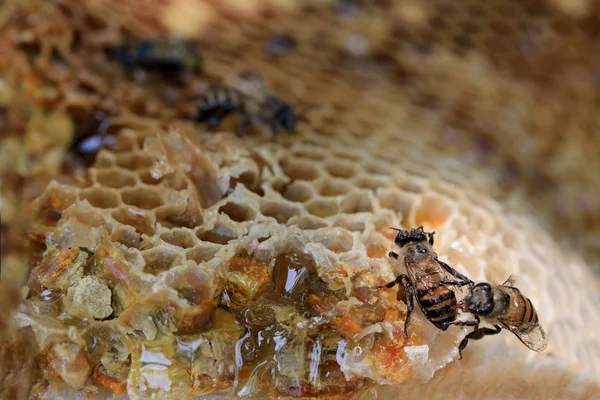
{"x":219,"y":102}
{"x":168,"y":55}
{"x":428,"y":280}
{"x":503,"y":304}
{"x":251,"y":102}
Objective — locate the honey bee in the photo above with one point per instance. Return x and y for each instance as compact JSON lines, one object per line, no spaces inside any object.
{"x":428,"y":280}
{"x":252,"y":103}
{"x":503,"y":305}
{"x":167,"y":54}
{"x":219,"y":102}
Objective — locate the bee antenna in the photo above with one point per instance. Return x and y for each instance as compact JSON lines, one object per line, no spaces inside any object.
{"x":396,"y":229}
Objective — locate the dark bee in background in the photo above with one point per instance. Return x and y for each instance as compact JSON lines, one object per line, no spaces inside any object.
{"x":252,"y":103}
{"x":218,"y":103}
{"x":167,"y":55}
{"x":503,"y":305}
{"x":428,"y":280}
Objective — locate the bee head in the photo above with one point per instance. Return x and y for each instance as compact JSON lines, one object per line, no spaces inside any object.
{"x":416,"y":235}
{"x":481,"y":299}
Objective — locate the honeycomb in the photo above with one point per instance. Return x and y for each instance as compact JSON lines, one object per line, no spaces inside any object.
{"x":195,"y":264}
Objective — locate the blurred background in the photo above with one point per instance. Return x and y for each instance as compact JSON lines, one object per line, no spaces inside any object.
{"x":506,"y":91}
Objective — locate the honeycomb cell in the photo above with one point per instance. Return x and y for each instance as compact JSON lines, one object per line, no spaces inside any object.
{"x":202,"y":252}
{"x":301,"y":170}
{"x":147,"y":178}
{"x":340,"y":169}
{"x":281,"y":211}
{"x":145,"y":198}
{"x":135,"y":161}
{"x":51,"y":204}
{"x":358,"y":202}
{"x":115,"y":178}
{"x":101,"y":198}
{"x":104,"y":159}
{"x":431,"y":210}
{"x":160,"y":259}
{"x":378,"y":168}
{"x":333,"y":187}
{"x":139,"y":220}
{"x":397,"y":200}
{"x":338,"y":241}
{"x":351,"y":223}
{"x":322,"y":207}
{"x":238,"y":212}
{"x":299,"y":191}
{"x":220,"y":234}
{"x":308,"y":222}
{"x":127,"y":236}
{"x":177,"y":216}
{"x":179,"y":237}
{"x":311,"y":154}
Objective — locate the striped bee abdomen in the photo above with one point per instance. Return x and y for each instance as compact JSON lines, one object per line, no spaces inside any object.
{"x":437,"y":304}
{"x":522,"y":311}
{"x":218,"y":103}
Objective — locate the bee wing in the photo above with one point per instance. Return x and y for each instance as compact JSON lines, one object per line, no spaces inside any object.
{"x":510,"y":282}
{"x":531,"y":334}
{"x":452,"y":273}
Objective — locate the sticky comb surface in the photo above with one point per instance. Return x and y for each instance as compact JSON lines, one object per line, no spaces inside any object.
{"x":445,"y":122}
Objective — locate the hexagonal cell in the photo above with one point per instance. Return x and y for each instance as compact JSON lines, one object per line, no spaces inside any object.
{"x":147,"y":178}
{"x":179,"y":237}
{"x":280,"y":210}
{"x":203,"y":252}
{"x":143,"y":197}
{"x":220,"y":234}
{"x":299,"y":191}
{"x":308,"y":222}
{"x":301,"y":170}
{"x":357,"y":202}
{"x":115,"y":178}
{"x":394,"y":199}
{"x":104,"y":159}
{"x":101,"y":198}
{"x":338,"y":241}
{"x":378,"y":168}
{"x":373,"y":182}
{"x":125,"y":141}
{"x":333,"y":187}
{"x":126,"y":235}
{"x":377,"y":245}
{"x":136,"y":161}
{"x":432,"y":210}
{"x":178,"y":216}
{"x":341,"y":169}
{"x":139,"y":220}
{"x":55,"y":199}
{"x":238,"y":212}
{"x":311,"y":154}
{"x":159,"y":260}
{"x":413,"y":186}
{"x":352,"y":223}
{"x":322,"y":207}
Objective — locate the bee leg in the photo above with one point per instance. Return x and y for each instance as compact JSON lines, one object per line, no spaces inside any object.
{"x":463,"y":279}
{"x":410,"y":294}
{"x":399,"y":279}
{"x":477,"y":334}
{"x":474,"y":322}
